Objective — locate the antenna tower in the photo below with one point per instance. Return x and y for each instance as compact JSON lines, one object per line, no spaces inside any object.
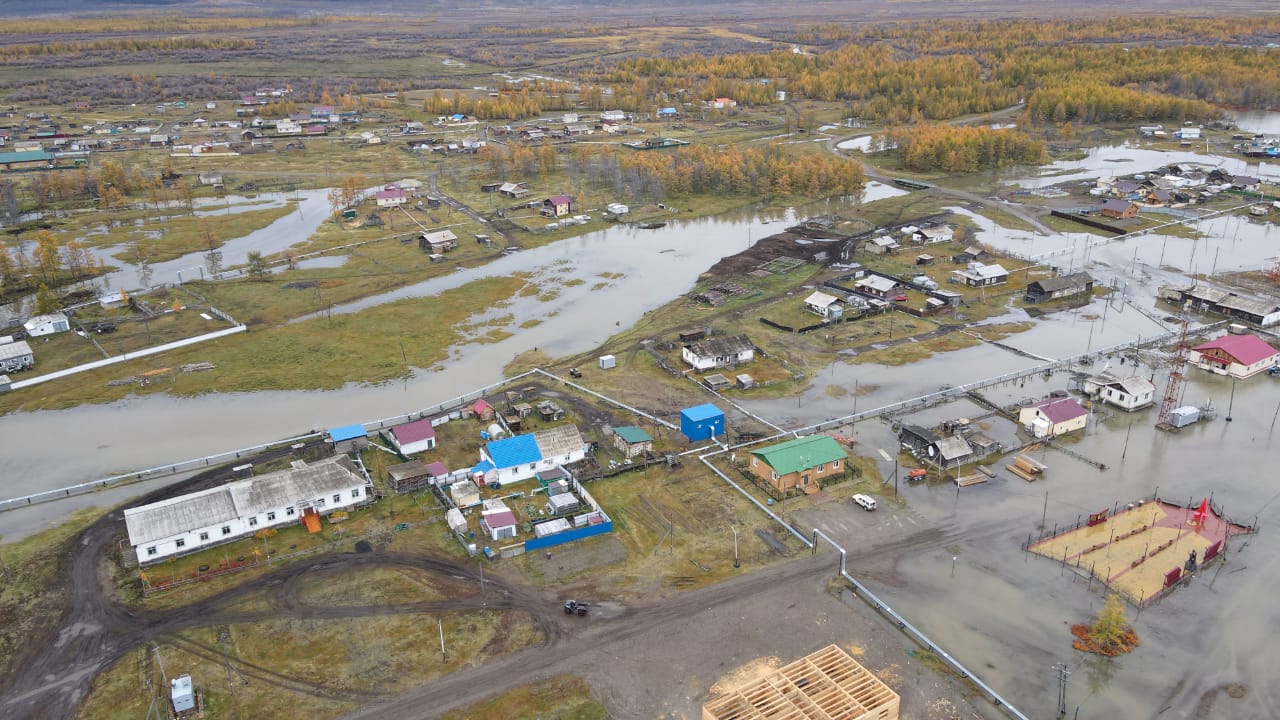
{"x":1173,"y":390}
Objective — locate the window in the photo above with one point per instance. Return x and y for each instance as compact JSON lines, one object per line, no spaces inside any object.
{"x":271,"y":516}
{"x":835,"y":464}
{"x":819,"y":468}
{"x":180,"y":543}
{"x":204,"y":536}
{"x":533,"y":466}
{"x":151,"y":551}
{"x":226,"y":529}
{"x":319,"y":502}
{"x":288,"y":511}
{"x":253,"y":521}
{"x":775,"y":476}
{"x":355,"y":493}
{"x":337,"y":499}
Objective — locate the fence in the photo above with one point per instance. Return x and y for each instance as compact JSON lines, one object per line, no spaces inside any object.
{"x":568,"y":536}
{"x":871,"y":599}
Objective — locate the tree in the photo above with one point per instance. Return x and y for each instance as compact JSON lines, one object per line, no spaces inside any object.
{"x":46,"y":301}
{"x":1110,"y":634}
{"x":213,"y":258}
{"x":257,"y":266}
{"x":142,"y":264}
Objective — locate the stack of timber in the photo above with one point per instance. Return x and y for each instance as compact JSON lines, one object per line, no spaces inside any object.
{"x":973,"y":479}
{"x":1026,"y":468}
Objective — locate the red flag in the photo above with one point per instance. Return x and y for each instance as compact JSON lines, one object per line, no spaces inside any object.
{"x":1202,"y":512}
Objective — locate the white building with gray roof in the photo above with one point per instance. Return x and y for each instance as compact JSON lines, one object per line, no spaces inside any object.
{"x":192,"y":522}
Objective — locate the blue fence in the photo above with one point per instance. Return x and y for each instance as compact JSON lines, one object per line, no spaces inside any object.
{"x":568,"y":536}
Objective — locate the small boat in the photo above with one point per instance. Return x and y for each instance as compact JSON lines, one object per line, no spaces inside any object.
{"x":652,"y":225}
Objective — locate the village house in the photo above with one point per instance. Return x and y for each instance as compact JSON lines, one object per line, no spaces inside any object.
{"x":301,"y":493}
{"x":721,"y":103}
{"x":1131,"y":393}
{"x":47,"y":324}
{"x":521,"y":456}
{"x":1120,"y":209}
{"x":718,"y":352}
{"x":1237,"y":356}
{"x":15,"y":355}
{"x":800,"y":463}
{"x":557,"y":206}
{"x":933,"y":235}
{"x":979,"y":275}
{"x":823,"y":305}
{"x":883,"y":245}
{"x":1060,"y":287}
{"x":1263,"y":312}
{"x":438,"y":242}
{"x":390,"y":196}
{"x":515,"y":190}
{"x":877,"y":286}
{"x":415,"y":437}
{"x":1053,"y":417}
{"x":970,"y":254}
{"x":632,"y":441}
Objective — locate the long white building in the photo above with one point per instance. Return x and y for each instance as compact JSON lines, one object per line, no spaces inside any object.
{"x":238,"y":509}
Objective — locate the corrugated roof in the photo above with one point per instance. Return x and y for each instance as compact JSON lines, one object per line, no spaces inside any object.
{"x":716,"y":347}
{"x":241,"y":498}
{"x":701,"y":412}
{"x":437,"y":469}
{"x":411,"y":469}
{"x":954,"y":447}
{"x":15,"y":349}
{"x":1061,"y":409}
{"x":1246,"y":349}
{"x":1117,"y":205}
{"x":513,"y":451}
{"x":559,"y":440}
{"x":821,"y":299}
{"x":347,"y":432}
{"x":801,"y":454}
{"x":632,"y":435}
{"x":413,"y":432}
{"x":1064,"y":282}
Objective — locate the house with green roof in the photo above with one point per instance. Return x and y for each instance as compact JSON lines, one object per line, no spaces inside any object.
{"x":799,"y":463}
{"x":632,"y":440}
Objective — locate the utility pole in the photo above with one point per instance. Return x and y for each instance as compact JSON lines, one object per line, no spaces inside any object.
{"x":1063,"y":674}
{"x":736,"y":563}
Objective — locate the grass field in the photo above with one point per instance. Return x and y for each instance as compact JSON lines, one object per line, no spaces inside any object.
{"x":566,"y":697}
{"x":308,"y":667}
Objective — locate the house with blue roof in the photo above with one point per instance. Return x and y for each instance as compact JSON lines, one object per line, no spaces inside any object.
{"x":348,"y":438}
{"x":520,"y":457}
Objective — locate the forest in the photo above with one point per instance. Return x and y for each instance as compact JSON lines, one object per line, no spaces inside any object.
{"x":936,"y":146}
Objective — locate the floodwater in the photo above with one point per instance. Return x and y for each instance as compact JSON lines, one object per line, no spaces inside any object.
{"x":647,"y":268}
{"x":1006,"y":613}
{"x":1002,"y":612}
{"x":1258,"y":121}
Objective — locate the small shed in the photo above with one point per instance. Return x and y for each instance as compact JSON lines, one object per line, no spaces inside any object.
{"x":407,"y":477}
{"x":551,"y":527}
{"x":557,"y":487}
{"x":483,"y":410}
{"x":499,"y":524}
{"x":457,"y":522}
{"x":702,"y":422}
{"x":348,"y":438}
{"x":547,"y":478}
{"x":181,"y":694}
{"x":608,"y":362}
{"x":438,"y":471}
{"x":716,"y":382}
{"x":562,"y":504}
{"x":415,"y":437}
{"x":465,"y":493}
{"x":745,"y":381}
{"x":632,"y":440}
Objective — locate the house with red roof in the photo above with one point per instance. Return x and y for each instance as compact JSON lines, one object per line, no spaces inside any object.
{"x":1239,"y":356}
{"x":415,"y":437}
{"x":1053,"y":417}
{"x":482,"y":410}
{"x":390,"y":196}
{"x":557,"y":206}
